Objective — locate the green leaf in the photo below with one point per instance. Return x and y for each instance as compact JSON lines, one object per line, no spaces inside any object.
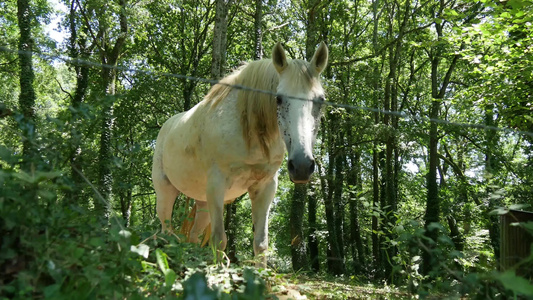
{"x":450,"y":12}
{"x":78,"y":252}
{"x":46,"y":194}
{"x":517,"y":284}
{"x":519,"y":14}
{"x":96,"y":242}
{"x":162,"y":261}
{"x":516,"y":4}
{"x":170,"y":277}
{"x":7,"y":155}
{"x":434,"y":225}
{"x":52,"y":291}
{"x":519,"y":206}
{"x":529,"y":227}
{"x":196,"y":288}
{"x":499,"y":211}
{"x":505,"y":15}
{"x":36,"y":177}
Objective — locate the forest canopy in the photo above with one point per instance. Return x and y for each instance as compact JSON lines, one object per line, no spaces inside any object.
{"x":426,"y":141}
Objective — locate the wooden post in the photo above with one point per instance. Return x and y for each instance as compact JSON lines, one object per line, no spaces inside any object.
{"x":515,"y":242}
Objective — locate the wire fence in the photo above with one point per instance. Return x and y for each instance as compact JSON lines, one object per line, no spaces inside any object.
{"x":399,"y":114}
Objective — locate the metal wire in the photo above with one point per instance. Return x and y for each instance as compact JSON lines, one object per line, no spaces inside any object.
{"x":83,"y":62}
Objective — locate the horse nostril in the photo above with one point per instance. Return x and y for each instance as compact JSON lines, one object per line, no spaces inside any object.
{"x":290,"y":164}
{"x":312,"y":167}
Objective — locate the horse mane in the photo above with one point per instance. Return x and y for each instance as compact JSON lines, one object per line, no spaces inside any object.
{"x":258,"y":110}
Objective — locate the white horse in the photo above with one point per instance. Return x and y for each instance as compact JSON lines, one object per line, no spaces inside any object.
{"x":234,"y":141}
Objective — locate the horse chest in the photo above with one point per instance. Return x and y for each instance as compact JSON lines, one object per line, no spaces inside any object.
{"x":242,"y":176}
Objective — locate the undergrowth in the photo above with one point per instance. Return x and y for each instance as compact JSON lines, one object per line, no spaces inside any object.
{"x":51,"y":249}
{"x":54,"y":250}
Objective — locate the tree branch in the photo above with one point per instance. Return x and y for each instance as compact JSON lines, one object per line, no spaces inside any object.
{"x":380,"y":51}
{"x":88,"y":24}
{"x":115,"y":52}
{"x":61,"y":87}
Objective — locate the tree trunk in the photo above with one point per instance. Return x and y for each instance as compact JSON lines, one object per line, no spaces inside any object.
{"x":258,"y":30}
{"x":311,"y":29}
{"x":354,"y":181}
{"x":78,"y":49}
{"x":27,"y":76}
{"x":196,"y":54}
{"x":230,"y":223}
{"x":491,"y":168}
{"x":433,"y":202}
{"x":391,"y":165}
{"x":455,"y":234}
{"x":312,"y":238}
{"x":105,"y":179}
{"x":376,"y":257}
{"x":338,"y":186}
{"x":388,"y":177}
{"x":334,"y":262}
{"x":298,"y":247}
{"x":125,"y":206}
{"x":109,"y":57}
{"x":438,"y":91}
{"x":387,"y":174}
{"x":219,"y":39}
{"x":458,"y":169}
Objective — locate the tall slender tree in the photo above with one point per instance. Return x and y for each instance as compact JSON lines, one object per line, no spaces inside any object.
{"x":312,"y":236}
{"x":335,"y":261}
{"x":27,"y":76}
{"x":78,"y":49}
{"x":220,"y":38}
{"x":110,"y":52}
{"x":296,"y":218}
{"x":376,"y":256}
{"x":438,"y":90}
{"x":397,"y":25}
{"x":258,"y":30}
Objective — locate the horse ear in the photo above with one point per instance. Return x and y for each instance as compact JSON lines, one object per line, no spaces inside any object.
{"x":320,"y":59}
{"x":278,"y":58}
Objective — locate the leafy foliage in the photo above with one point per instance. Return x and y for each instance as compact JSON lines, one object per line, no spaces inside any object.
{"x":63,"y":252}
{"x":389,"y":62}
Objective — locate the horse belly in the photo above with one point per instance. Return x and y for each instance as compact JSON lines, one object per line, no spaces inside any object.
{"x":188,"y":179}
{"x":191,"y":179}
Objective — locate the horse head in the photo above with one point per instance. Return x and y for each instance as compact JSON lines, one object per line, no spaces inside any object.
{"x":299,"y":100}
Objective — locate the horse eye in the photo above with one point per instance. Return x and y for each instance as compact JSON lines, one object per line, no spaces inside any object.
{"x":279,"y":100}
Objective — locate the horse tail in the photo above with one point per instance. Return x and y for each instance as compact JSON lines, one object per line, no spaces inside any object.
{"x":207,"y":235}
{"x":187,"y":224}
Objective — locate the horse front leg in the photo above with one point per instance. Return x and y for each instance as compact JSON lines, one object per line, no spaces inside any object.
{"x":216,"y":189}
{"x":261,"y":195}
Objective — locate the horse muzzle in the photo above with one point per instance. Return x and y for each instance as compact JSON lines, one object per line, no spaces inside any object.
{"x":300,"y":168}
